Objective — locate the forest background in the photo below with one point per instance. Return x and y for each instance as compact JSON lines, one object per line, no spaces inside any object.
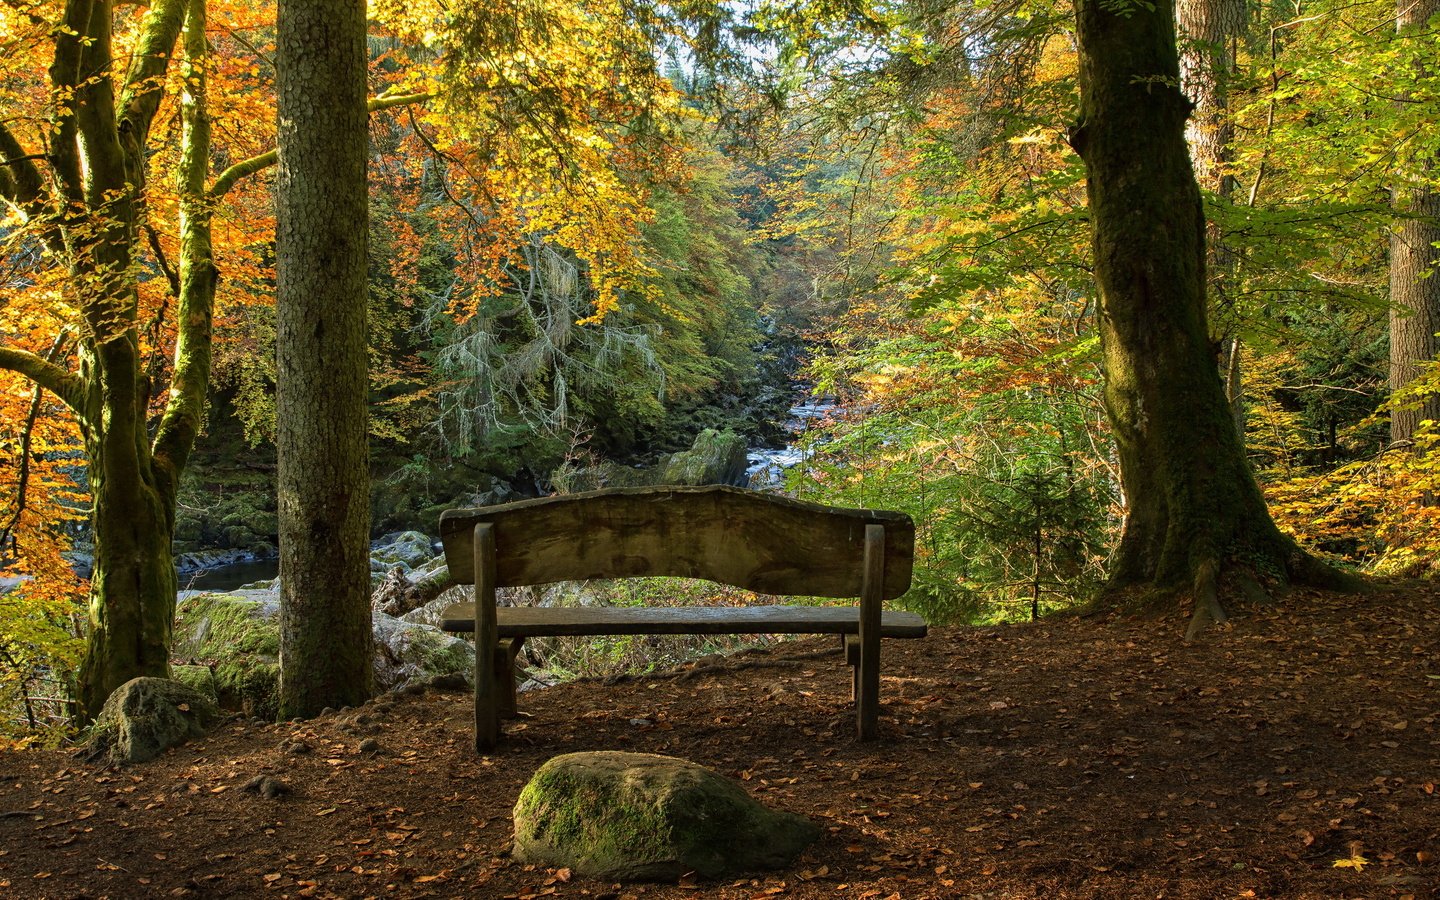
{"x":597,"y":228}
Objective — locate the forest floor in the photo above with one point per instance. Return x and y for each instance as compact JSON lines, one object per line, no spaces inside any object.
{"x":1292,"y":753}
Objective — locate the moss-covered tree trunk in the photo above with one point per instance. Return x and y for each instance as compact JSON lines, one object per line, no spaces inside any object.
{"x":1193,"y":505}
{"x":324,"y":501}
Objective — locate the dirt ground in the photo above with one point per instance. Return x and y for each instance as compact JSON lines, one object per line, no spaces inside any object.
{"x":1292,"y":753}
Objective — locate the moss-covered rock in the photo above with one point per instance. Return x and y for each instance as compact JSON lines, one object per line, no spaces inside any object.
{"x":200,"y":678}
{"x":238,"y":635}
{"x":716,"y":457}
{"x":412,"y":653}
{"x":636,"y":816}
{"x":147,"y":716}
{"x":235,"y":640}
{"x":406,"y":550}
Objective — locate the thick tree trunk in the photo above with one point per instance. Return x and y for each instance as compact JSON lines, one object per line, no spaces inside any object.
{"x":132,"y":600}
{"x":1208,"y":29}
{"x":324,"y":503}
{"x":1414,"y":286}
{"x":1194,"y":506}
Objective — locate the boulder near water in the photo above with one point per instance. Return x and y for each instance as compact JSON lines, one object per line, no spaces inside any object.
{"x":642,"y":817}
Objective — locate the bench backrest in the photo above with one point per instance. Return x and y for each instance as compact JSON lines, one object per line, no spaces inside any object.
{"x":760,"y":542}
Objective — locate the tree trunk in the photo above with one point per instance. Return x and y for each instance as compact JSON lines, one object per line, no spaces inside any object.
{"x":321,"y":225}
{"x":1209,"y":30}
{"x":132,"y":586}
{"x":133,"y":582}
{"x":1414,"y":287}
{"x":1193,"y":504}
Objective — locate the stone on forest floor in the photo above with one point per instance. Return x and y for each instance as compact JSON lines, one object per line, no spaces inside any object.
{"x":637,"y":816}
{"x":239,"y":632}
{"x":267,"y":787}
{"x":201,"y":678}
{"x":146,"y":716}
{"x":407,"y":653}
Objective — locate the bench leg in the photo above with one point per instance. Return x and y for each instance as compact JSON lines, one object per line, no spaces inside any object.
{"x":487,"y":642}
{"x":852,"y":659}
{"x":867,"y":706}
{"x":505,"y":657}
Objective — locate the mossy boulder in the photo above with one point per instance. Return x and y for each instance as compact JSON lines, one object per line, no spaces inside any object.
{"x":640,"y":817}
{"x":406,"y":550}
{"x":716,"y":457}
{"x":144,"y":717}
{"x":200,"y":678}
{"x":238,"y":636}
{"x":408,"y":652}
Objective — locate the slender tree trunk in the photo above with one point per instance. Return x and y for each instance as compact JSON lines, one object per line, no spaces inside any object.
{"x":1208,"y":32}
{"x":1194,"y":507}
{"x":1414,"y":285}
{"x":324,"y":502}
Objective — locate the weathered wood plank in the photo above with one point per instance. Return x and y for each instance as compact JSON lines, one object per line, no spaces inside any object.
{"x":765,"y":543}
{"x":525,"y":621}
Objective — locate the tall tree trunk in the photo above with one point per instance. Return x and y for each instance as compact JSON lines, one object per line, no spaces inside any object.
{"x":1414,"y":286}
{"x":324,"y":502}
{"x":133,"y":582}
{"x":1208,"y":32}
{"x":1194,"y":507}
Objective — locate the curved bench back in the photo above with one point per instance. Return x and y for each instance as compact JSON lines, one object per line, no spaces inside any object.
{"x":761,"y":542}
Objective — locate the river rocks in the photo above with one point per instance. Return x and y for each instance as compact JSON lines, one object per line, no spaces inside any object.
{"x":715,"y":458}
{"x":406,"y":549}
{"x":239,"y":634}
{"x":408,"y":653}
{"x":147,"y":716}
{"x":636,"y":816}
{"x":202,"y":560}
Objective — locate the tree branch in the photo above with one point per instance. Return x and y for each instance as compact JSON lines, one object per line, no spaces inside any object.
{"x":26,"y":441}
{"x":194,"y":318}
{"x":145,"y":82}
{"x":64,"y":75}
{"x":248,"y":167}
{"x":62,"y":383}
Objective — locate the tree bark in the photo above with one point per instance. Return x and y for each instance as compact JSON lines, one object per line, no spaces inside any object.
{"x":1194,"y":508}
{"x":1209,"y":30}
{"x":321,"y":216}
{"x":1414,"y":287}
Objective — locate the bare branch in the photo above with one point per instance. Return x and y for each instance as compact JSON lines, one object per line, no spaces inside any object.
{"x":26,"y":440}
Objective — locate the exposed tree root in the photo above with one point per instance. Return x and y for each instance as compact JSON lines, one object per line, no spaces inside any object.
{"x":1208,"y":610}
{"x":1301,"y":569}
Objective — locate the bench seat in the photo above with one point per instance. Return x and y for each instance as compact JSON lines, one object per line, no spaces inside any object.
{"x":525,"y":621}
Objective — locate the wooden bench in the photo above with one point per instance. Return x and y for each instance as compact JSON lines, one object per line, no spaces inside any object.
{"x":760,"y":542}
